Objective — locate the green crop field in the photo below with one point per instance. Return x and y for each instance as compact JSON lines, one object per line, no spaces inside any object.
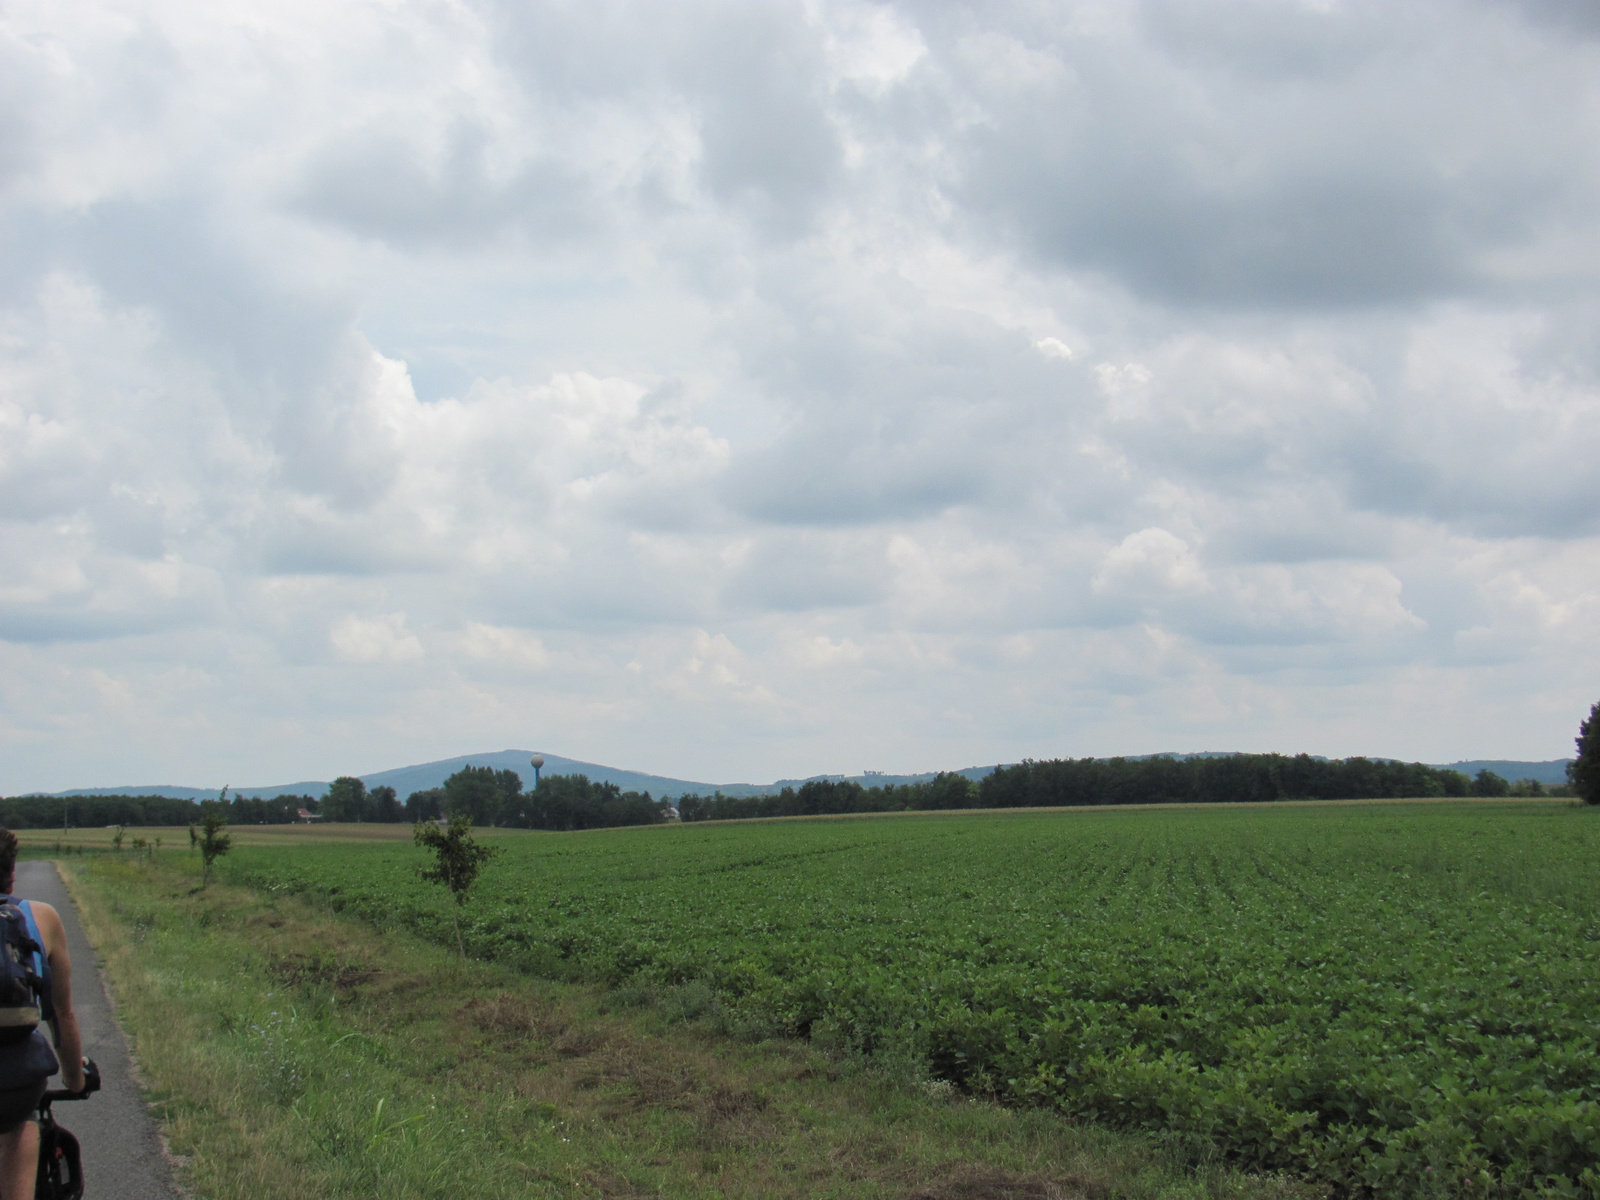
{"x":1403,"y":1000}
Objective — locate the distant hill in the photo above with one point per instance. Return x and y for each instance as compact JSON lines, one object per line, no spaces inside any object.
{"x":405,"y":780}
{"x":307,"y":788}
{"x":1554,"y":771}
{"x":865,"y":779}
{"x":1551,"y":772}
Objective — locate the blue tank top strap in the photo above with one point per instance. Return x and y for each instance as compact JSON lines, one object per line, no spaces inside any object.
{"x":40,"y":963}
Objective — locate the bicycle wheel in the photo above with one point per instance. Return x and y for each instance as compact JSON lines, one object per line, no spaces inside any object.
{"x":60,"y":1174}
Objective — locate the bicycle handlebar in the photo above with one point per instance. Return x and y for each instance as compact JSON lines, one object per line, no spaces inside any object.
{"x":91,"y":1085}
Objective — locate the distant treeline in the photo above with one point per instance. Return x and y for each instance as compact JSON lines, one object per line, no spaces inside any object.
{"x":568,"y":802}
{"x":79,"y":812}
{"x":491,"y":797}
{"x":1106,"y":781}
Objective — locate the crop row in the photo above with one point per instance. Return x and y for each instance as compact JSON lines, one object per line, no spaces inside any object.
{"x":1399,"y":1000}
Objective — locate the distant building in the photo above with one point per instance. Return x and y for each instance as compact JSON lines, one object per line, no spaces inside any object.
{"x":306,"y":816}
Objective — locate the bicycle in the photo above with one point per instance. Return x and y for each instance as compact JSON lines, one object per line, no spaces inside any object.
{"x":60,"y":1163}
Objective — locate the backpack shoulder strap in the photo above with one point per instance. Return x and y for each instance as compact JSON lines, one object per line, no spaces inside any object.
{"x":41,"y":966}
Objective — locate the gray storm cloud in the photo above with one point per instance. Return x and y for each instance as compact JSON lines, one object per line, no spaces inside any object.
{"x":746,"y":390}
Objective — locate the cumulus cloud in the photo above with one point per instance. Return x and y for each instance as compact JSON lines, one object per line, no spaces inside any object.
{"x":744,"y":391}
{"x":382,"y":638}
{"x":1274,"y":155}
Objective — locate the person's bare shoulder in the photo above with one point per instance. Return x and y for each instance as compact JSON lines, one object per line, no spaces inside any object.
{"x":55,"y":937}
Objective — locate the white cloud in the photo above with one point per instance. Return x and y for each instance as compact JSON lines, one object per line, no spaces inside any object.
{"x":719,"y":390}
{"x":869,"y":44}
{"x":380,"y":639}
{"x":819,"y":651}
{"x":1151,"y":558}
{"x":512,"y":648}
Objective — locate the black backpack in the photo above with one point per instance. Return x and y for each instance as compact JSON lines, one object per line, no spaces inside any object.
{"x":24,"y":990}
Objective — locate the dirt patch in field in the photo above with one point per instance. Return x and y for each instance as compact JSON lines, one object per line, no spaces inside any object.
{"x":578,"y":1043}
{"x":649,"y":1083}
{"x":513,"y":1016}
{"x":312,"y":970}
{"x":978,"y":1184}
{"x":627,"y":1076}
{"x":524,"y":1024}
{"x":726,"y":1102}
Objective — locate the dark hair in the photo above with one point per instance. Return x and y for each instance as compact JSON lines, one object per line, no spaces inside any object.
{"x":8,"y":854}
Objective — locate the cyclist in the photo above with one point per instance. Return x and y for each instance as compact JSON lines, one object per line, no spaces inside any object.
{"x":27,"y":1064}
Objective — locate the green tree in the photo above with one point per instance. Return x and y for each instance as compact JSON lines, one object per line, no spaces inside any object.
{"x":1583,"y":772}
{"x":425,"y":805}
{"x":346,"y":800}
{"x":694,"y":807}
{"x":1487,"y":783}
{"x":457,"y":861}
{"x":949,"y":790}
{"x":214,"y":843}
{"x":384,"y":804}
{"x":482,"y":793}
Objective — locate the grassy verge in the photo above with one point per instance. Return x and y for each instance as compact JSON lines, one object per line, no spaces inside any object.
{"x":292,"y":1052}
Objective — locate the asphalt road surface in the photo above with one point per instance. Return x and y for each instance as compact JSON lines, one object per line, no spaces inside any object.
{"x":122,"y":1158}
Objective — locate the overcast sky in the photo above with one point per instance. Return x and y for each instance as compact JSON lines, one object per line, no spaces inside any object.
{"x":744,"y":390}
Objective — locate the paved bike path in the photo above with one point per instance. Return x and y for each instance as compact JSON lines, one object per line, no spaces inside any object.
{"x":122,"y":1155}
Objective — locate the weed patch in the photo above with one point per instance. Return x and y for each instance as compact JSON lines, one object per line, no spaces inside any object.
{"x":995,"y":1185}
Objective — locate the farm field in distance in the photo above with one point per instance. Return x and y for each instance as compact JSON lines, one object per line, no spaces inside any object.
{"x":1398,"y":999}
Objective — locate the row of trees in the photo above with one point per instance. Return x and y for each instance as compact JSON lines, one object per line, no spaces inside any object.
{"x":825,"y":797}
{"x":486,"y":796}
{"x":567,"y":802}
{"x":348,"y":799}
{"x":1104,"y":781}
{"x":92,"y":812}
{"x":559,"y":802}
{"x":79,"y":812}
{"x":491,"y":797}
{"x":47,"y":812}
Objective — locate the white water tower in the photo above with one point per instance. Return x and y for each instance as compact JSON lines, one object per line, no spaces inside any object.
{"x":536,"y":762}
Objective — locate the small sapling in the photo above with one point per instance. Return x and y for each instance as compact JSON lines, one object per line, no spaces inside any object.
{"x":458,"y":861}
